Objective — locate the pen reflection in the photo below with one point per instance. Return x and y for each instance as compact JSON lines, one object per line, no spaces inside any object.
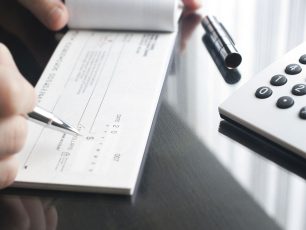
{"x":231,"y":76}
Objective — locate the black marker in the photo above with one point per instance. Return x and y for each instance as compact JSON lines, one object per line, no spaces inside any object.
{"x":222,"y":41}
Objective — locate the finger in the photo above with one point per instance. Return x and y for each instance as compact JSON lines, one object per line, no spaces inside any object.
{"x":51,"y":218}
{"x":192,"y":4}
{"x":17,"y":96}
{"x":13,"y":214}
{"x":6,"y":58}
{"x":35,"y":211}
{"x":13,"y":132}
{"x":52,"y":13}
{"x":50,"y":213}
{"x":8,"y":170}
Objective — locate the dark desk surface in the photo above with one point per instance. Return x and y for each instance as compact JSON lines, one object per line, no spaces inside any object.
{"x":200,"y":173}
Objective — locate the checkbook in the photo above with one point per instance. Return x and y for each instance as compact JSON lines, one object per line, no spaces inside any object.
{"x":107,"y":84}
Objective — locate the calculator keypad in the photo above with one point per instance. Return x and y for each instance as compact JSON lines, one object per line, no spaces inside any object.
{"x":303,"y":59}
{"x":302,"y":113}
{"x":293,"y":69}
{"x":286,"y":102}
{"x":278,"y":80}
{"x":263,"y":92}
{"x":299,"y":90}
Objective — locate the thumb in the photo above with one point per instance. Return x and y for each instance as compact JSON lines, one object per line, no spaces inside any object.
{"x":17,"y":96}
{"x":6,"y":58}
{"x":52,"y":13}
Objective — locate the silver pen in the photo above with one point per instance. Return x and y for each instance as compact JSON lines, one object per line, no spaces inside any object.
{"x":47,"y":119}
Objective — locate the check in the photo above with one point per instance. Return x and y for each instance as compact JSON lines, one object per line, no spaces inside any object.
{"x":107,"y":84}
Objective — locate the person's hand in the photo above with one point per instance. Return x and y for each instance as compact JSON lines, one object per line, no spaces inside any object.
{"x":192,"y":4}
{"x":17,"y":98}
{"x":54,"y":15}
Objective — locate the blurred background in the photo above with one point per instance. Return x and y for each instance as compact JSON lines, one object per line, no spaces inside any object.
{"x":263,"y":31}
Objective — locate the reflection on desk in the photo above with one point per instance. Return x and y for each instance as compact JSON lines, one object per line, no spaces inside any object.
{"x":284,"y":158}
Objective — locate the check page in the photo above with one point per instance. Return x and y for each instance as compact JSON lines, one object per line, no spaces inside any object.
{"x":144,"y":15}
{"x":107,"y":84}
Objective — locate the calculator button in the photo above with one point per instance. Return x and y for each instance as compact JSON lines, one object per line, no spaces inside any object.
{"x":293,"y":69}
{"x":263,"y":92}
{"x":299,"y":89}
{"x":302,"y":113}
{"x":278,"y":80}
{"x":284,"y":102}
{"x":303,"y":59}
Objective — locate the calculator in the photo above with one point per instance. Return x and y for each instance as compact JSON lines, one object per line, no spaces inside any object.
{"x":273,"y":103}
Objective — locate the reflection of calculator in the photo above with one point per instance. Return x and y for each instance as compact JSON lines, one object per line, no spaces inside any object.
{"x":273,"y":103}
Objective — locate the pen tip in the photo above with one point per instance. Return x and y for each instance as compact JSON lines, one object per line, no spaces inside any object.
{"x":74,"y":131}
{"x":64,"y":127}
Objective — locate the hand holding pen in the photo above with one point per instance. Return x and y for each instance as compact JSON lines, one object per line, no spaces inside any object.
{"x":17,"y":98}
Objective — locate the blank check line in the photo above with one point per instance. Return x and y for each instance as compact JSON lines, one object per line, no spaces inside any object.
{"x":38,"y":138}
{"x":77,"y":61}
{"x":25,"y":165}
{"x":107,"y":88}
{"x":98,"y":79}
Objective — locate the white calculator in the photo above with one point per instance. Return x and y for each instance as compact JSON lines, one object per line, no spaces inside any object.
{"x":273,"y":103}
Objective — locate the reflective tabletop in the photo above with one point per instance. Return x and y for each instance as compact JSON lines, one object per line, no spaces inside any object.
{"x":200,"y":172}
